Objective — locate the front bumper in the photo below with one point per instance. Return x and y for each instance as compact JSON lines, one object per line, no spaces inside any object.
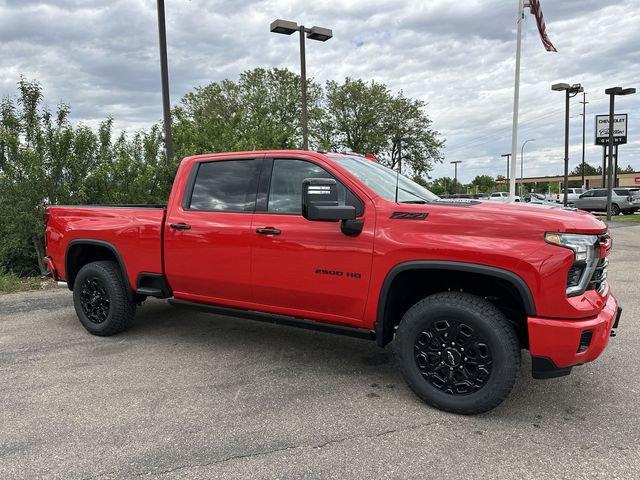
{"x":557,"y":345}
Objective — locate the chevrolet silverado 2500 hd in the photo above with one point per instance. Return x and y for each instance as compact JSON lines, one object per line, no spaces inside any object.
{"x":342,"y":243}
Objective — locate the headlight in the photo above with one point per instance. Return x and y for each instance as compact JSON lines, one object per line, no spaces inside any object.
{"x":585,"y":258}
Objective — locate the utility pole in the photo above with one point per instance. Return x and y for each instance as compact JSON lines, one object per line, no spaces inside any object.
{"x":164,"y":74}
{"x":455,"y":166}
{"x":584,"y":120}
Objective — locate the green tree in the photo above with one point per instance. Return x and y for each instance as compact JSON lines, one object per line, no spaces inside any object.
{"x":411,"y":141}
{"x":366,"y":118}
{"x":484,"y":183}
{"x":588,"y":170}
{"x":45,"y":160}
{"x":260,"y":111}
{"x":446,"y":186}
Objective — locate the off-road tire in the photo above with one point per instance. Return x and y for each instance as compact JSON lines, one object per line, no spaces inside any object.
{"x":108,"y":278}
{"x":487,"y":321}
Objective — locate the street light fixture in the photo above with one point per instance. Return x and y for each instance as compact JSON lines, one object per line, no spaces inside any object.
{"x":522,"y":163}
{"x":321,"y":34}
{"x":612,"y":92}
{"x":570,"y":91}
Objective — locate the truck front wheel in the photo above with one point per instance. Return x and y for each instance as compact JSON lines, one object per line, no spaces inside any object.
{"x":100,"y":299}
{"x":458,"y":352}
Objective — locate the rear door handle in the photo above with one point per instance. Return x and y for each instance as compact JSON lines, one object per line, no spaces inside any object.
{"x":268,"y":231}
{"x":180,"y":226}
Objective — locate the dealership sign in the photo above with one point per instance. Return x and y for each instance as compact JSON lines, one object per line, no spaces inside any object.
{"x":619,"y":129}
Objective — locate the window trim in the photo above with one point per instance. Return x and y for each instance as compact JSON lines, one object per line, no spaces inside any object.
{"x":267,"y":187}
{"x":193,"y":175}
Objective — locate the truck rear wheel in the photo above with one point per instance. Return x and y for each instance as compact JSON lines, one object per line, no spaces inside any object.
{"x":458,"y":352}
{"x":100,"y":299}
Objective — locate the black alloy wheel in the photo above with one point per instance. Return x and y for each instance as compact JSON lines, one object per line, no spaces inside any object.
{"x":453,"y":357}
{"x":102,"y":298}
{"x":458,"y":352}
{"x":95,"y":300}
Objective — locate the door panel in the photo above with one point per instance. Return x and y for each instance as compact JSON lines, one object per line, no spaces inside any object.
{"x":207,"y":251}
{"x":310,"y":269}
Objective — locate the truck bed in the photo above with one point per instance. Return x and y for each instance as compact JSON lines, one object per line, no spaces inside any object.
{"x":133,"y":232}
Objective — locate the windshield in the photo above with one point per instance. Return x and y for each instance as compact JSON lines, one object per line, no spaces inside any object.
{"x":382,"y":180}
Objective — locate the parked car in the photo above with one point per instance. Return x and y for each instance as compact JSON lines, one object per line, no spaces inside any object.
{"x":342,"y":244}
{"x":502,"y":197}
{"x":623,"y":200}
{"x":536,"y":198}
{"x":572,"y":195}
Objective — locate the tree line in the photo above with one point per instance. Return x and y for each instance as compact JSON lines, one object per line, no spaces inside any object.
{"x":46,"y":159}
{"x":489,"y":184}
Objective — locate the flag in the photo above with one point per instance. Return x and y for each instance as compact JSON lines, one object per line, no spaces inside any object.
{"x":536,"y":11}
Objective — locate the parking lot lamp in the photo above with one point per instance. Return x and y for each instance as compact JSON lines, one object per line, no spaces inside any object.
{"x":570,"y":91}
{"x":612,"y":92}
{"x":321,"y":34}
{"x":522,"y":163}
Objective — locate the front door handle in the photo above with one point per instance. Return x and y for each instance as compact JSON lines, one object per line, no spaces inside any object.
{"x":268,"y":231}
{"x":180,"y":226}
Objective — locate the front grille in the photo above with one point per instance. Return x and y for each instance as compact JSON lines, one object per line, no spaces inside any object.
{"x":598,"y":280}
{"x":574,"y":275}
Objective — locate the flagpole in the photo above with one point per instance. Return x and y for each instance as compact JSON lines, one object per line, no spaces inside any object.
{"x":516,"y":100}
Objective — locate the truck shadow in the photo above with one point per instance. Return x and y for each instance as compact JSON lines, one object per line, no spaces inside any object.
{"x":294,"y":351}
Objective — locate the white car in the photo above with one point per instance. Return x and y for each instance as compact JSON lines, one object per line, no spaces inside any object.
{"x":502,"y":197}
{"x":572,"y":195}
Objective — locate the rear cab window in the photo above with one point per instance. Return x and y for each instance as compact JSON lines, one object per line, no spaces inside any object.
{"x":225,"y":186}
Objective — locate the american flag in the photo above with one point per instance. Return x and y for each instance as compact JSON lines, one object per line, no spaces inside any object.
{"x":536,"y":11}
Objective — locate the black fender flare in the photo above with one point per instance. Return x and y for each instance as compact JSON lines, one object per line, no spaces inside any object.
{"x":383,"y":337}
{"x":103,"y":244}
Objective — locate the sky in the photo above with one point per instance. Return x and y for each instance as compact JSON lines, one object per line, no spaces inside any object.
{"x":101,"y":58}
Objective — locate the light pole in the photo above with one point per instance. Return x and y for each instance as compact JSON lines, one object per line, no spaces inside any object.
{"x":584,"y":120}
{"x":321,"y":34}
{"x":455,"y":167}
{"x":612,"y":92}
{"x":164,"y":74}
{"x":508,"y":157}
{"x":522,"y":163}
{"x":570,"y":91}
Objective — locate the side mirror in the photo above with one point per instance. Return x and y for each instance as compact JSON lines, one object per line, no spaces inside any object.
{"x":320,"y":201}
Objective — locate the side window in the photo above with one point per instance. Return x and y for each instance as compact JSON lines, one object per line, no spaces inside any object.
{"x":600,"y":193}
{"x":587,"y":194}
{"x":226,"y":186}
{"x":285,"y":191}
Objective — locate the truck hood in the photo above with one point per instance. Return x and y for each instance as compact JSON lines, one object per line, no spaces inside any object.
{"x":549,"y":217}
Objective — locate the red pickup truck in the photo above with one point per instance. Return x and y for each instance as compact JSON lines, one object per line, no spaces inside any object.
{"x":341,"y":243}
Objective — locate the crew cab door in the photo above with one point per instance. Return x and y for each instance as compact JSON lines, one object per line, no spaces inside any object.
{"x":303,"y":268}
{"x":208,"y":232}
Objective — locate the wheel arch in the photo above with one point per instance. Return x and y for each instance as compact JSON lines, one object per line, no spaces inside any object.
{"x":385,"y":321}
{"x":82,"y":251}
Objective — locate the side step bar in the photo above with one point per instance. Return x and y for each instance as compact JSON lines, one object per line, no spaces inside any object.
{"x":277,"y":319}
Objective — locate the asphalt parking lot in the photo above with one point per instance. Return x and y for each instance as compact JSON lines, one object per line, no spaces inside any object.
{"x":191,"y":395}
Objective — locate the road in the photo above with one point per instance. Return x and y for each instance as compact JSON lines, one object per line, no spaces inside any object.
{"x":191,"y":395}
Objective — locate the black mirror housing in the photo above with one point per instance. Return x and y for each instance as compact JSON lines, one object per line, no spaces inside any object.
{"x":320,"y":201}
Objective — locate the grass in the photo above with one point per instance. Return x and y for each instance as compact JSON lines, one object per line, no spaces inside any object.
{"x":633,"y":219}
{"x":10,"y":283}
